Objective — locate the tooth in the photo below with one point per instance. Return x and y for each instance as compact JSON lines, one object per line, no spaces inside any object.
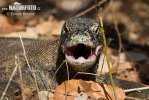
{"x":97,"y":49}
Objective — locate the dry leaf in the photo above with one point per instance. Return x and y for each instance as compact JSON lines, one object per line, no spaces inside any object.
{"x":86,"y":90}
{"x":6,"y":27}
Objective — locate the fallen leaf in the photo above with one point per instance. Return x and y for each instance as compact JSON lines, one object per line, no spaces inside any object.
{"x":6,"y":27}
{"x":86,"y":90}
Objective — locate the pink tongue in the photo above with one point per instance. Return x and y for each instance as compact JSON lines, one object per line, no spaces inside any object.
{"x":81,"y":59}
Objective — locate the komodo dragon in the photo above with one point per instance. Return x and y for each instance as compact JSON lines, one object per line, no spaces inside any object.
{"x":79,"y":47}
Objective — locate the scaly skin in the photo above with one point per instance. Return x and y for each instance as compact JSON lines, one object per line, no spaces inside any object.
{"x":41,"y":54}
{"x":80,"y":46}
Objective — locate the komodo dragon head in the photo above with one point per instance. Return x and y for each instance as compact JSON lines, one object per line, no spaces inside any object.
{"x":81,"y":42}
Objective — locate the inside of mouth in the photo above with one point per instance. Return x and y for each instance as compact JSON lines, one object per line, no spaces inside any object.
{"x":80,"y":50}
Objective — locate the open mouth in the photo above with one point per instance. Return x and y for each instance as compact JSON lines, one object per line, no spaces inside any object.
{"x":80,"y":53}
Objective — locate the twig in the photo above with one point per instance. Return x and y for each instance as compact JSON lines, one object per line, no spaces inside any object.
{"x":102,"y":64}
{"x":86,"y":11}
{"x":68,"y":80}
{"x":32,"y":70}
{"x":35,"y":80}
{"x":58,"y":70}
{"x":119,"y":39}
{"x":24,"y":52}
{"x":7,"y":98}
{"x":67,"y":70}
{"x":42,"y":80}
{"x":131,"y":98}
{"x":56,"y":73}
{"x":9,"y":80}
{"x":85,"y":73}
{"x":90,"y":8}
{"x":20,"y":72}
{"x":107,"y":56}
{"x":136,"y":89}
{"x":104,"y":59}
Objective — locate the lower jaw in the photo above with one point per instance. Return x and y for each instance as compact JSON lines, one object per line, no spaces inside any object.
{"x":81,"y":64}
{"x":81,"y":67}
